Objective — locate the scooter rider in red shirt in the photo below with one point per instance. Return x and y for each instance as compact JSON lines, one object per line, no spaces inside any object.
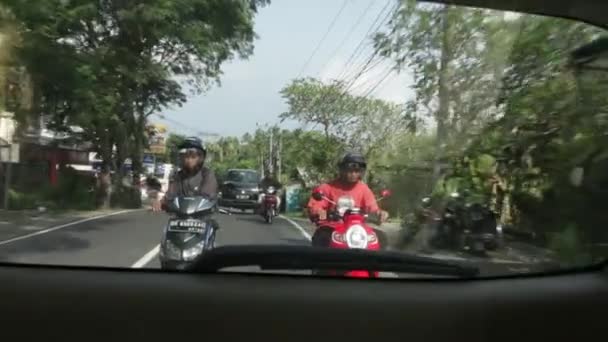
{"x":351,"y":169}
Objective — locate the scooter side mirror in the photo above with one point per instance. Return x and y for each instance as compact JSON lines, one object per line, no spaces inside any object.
{"x":318,"y":194}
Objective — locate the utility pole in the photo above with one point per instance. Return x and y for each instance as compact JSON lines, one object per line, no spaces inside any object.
{"x":7,"y":176}
{"x":279,"y":156}
{"x":270,"y":154}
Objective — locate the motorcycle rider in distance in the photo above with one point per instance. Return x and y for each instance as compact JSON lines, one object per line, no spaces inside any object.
{"x":351,"y":170}
{"x":193,"y":178}
{"x":268,"y":181}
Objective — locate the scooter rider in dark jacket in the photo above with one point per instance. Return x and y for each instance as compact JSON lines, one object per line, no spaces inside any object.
{"x":268,"y":181}
{"x":193,"y":179}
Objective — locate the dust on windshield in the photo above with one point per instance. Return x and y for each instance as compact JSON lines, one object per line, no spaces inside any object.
{"x":488,"y":127}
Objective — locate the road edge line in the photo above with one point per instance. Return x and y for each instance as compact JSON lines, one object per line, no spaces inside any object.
{"x":144,"y":260}
{"x":298,"y":227}
{"x":65,"y":225}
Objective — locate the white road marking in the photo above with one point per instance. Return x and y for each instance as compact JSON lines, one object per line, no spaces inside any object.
{"x":52,"y":229}
{"x":143,"y":261}
{"x":298,"y":227}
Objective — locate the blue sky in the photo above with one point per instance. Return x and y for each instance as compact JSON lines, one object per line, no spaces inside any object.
{"x":288,"y":31}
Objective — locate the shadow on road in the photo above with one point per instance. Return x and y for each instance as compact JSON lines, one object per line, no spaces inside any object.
{"x":102,"y":223}
{"x":67,"y":239}
{"x":298,"y":242}
{"x":59,"y":241}
{"x":256,"y":219}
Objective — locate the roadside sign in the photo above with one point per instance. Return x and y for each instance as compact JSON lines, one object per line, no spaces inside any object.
{"x":159,"y":171}
{"x":156,"y":138}
{"x":292,"y":198}
{"x":148,"y":159}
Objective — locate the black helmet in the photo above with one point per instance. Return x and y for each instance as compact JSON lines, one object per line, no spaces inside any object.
{"x":353,"y":160}
{"x":192,"y":143}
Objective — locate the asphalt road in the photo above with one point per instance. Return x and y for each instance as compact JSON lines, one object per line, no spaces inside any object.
{"x":131,"y":240}
{"x":124,"y":240}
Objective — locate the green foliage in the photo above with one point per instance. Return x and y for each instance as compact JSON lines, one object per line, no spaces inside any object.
{"x":569,"y":247}
{"x":126,"y":197}
{"x":73,"y":191}
{"x":346,"y":122}
{"x":21,"y":200}
{"x":120,"y":61}
{"x":455,"y":55}
{"x":172,"y":142}
{"x":513,"y":120}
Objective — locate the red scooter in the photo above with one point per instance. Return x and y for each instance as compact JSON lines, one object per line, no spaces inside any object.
{"x":344,"y":228}
{"x":269,"y":204}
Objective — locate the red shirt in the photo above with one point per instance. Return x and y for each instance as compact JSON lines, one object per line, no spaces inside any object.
{"x":362,"y":195}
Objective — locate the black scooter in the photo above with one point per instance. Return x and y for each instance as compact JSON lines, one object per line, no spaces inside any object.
{"x":190,"y":231}
{"x":466,"y":226}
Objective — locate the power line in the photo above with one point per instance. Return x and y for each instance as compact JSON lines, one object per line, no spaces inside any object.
{"x":358,"y":48}
{"x":366,"y":66}
{"x":386,"y":73}
{"x":374,"y":27}
{"x":350,"y":32}
{"x":329,"y":28}
{"x":364,"y":69}
{"x":374,"y":87}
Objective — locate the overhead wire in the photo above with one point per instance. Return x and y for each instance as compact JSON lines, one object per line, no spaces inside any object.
{"x":359,"y":48}
{"x":329,"y":28}
{"x":348,"y":35}
{"x":366,"y":66}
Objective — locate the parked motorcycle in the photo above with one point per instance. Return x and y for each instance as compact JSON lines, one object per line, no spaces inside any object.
{"x":269,"y":204}
{"x":345,"y":228}
{"x":423,"y":217}
{"x":467,"y":225}
{"x":190,"y":231}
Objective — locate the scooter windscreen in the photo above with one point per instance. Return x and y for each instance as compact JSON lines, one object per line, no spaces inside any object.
{"x":191,"y":205}
{"x":344,"y":203}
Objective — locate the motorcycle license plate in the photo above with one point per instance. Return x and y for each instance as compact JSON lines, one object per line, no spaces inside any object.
{"x":187,"y":226}
{"x":242,"y":197}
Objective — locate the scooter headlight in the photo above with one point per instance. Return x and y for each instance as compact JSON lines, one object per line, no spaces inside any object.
{"x":191,"y":253}
{"x":356,"y":237}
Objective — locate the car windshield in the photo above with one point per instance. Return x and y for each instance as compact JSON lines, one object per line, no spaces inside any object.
{"x":243,"y":176}
{"x":488,"y":127}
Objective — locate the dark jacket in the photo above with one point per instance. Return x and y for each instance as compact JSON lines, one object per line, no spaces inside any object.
{"x":199,"y":183}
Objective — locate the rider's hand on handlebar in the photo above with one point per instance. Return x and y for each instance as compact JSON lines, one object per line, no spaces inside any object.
{"x":383,"y":216}
{"x":157,"y":206}
{"x":322,"y":215}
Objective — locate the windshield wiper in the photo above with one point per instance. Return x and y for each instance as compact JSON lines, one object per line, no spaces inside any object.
{"x":277,"y":257}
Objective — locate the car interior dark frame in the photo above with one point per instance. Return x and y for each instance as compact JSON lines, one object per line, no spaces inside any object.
{"x":123,"y":303}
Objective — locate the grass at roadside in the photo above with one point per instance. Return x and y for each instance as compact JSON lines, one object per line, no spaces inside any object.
{"x":296,"y":215}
